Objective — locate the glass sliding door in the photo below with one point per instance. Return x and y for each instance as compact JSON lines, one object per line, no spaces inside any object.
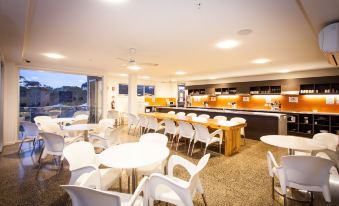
{"x":55,"y":94}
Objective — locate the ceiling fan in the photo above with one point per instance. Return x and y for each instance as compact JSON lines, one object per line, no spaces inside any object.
{"x":132,"y":64}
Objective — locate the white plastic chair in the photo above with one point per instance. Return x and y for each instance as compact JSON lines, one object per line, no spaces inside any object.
{"x":53,"y":145}
{"x":181,"y":114}
{"x":191,"y":115}
{"x":83,"y":162}
{"x":84,"y":196}
{"x":143,"y":124}
{"x":202,"y":135}
{"x":52,"y":128}
{"x":333,"y":170}
{"x":154,"y":125}
{"x":174,"y":190}
{"x":31,"y":134}
{"x":205,"y":116}
{"x":105,"y":139}
{"x":154,"y":138}
{"x":171,"y":112}
{"x":328,"y":139}
{"x":40,"y":120}
{"x":132,"y":122}
{"x":272,"y":170}
{"x":305,"y":173}
{"x":242,"y":130}
{"x":171,"y":129}
{"x":223,"y":118}
{"x":185,"y":131}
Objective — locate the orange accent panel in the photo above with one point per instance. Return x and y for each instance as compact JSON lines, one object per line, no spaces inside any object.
{"x":159,"y":101}
{"x":306,"y":103}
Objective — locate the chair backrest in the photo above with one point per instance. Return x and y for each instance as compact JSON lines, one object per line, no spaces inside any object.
{"x":143,"y":122}
{"x":271,"y":163}
{"x":170,"y":126}
{"x":111,"y":137}
{"x":239,"y":120}
{"x":53,"y":142}
{"x":152,"y":122}
{"x":31,"y":129}
{"x":171,"y":112}
{"x":185,"y":129}
{"x":40,"y":120}
{"x":50,"y":127}
{"x":79,"y":154}
{"x":220,"y":118}
{"x":191,"y":115}
{"x":328,"y":139}
{"x":132,"y":120}
{"x":154,"y":138}
{"x":84,"y":196}
{"x":113,"y":114}
{"x":194,"y":180}
{"x":201,"y":132}
{"x":306,"y":173}
{"x":181,"y":114}
{"x":205,"y":116}
{"x":82,"y":117}
{"x":104,"y":124}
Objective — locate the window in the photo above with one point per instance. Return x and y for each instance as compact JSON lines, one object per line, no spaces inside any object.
{"x":149,"y":90}
{"x":142,"y":90}
{"x":123,"y":89}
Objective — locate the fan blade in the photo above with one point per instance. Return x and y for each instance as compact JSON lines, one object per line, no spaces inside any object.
{"x":122,"y":59}
{"x":148,"y":64}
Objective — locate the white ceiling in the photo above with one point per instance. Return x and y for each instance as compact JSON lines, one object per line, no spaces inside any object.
{"x":176,"y":34}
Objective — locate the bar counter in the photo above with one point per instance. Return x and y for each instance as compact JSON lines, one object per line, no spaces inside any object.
{"x":258,"y":123}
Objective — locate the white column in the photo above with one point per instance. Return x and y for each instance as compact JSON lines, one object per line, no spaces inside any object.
{"x":132,"y":94}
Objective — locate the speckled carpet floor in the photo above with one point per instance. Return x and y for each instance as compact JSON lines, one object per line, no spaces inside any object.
{"x":238,"y":180}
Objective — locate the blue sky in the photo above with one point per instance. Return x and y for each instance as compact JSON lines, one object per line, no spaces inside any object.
{"x":54,"y":79}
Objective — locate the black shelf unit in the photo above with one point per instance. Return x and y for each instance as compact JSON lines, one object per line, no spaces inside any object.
{"x":265,"y":90}
{"x":309,"y":124}
{"x":225,"y":91}
{"x":326,"y":88}
{"x":196,"y":92}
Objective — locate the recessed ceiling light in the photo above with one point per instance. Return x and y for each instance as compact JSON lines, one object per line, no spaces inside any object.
{"x":211,"y":78}
{"x":228,"y":44}
{"x":115,"y":1}
{"x":53,"y":55}
{"x":134,"y":67}
{"x":123,"y":75}
{"x":173,"y":80}
{"x":180,"y":73}
{"x":284,"y":71}
{"x":145,"y":77}
{"x":261,"y":61}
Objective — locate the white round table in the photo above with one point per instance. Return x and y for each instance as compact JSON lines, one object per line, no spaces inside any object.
{"x":292,"y":143}
{"x":132,"y":156}
{"x":154,"y":138}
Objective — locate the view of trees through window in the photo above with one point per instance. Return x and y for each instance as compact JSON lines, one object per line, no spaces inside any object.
{"x":51,"y":93}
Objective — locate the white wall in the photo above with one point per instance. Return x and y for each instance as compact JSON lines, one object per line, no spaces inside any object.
{"x":121,"y":101}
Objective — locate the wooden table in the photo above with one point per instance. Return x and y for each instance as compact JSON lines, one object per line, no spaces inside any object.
{"x":231,"y":129}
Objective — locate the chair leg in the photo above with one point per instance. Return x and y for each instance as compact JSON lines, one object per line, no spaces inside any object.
{"x":312,"y":198}
{"x":204,"y":199}
{"x":34,"y":142}
{"x":177,"y":144}
{"x":42,"y":150}
{"x":172,"y":140}
{"x":273,"y":198}
{"x":205,"y":148}
{"x":189,"y":146}
{"x":219,"y":148}
{"x":20,"y":146}
{"x":285,"y":200}
{"x":192,"y":148}
{"x":60,"y":165}
{"x":128,"y":184}
{"x":129,"y":128}
{"x":120,"y":184}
